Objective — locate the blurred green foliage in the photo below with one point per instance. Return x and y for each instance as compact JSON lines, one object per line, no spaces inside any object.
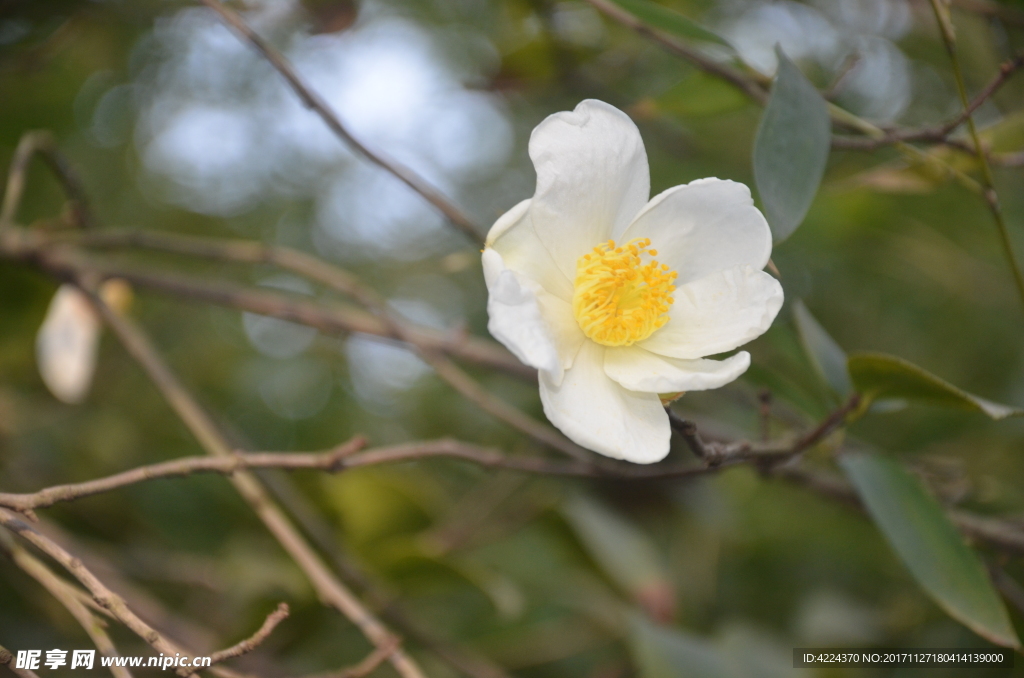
{"x":890,"y":259}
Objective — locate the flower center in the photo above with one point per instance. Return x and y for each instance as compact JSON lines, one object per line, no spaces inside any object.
{"x":622,"y":295}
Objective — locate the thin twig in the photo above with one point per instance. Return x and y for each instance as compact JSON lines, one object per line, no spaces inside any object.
{"x":7,"y":659}
{"x":991,"y":197}
{"x":57,"y":255}
{"x":738,"y":79}
{"x":42,"y":143}
{"x":332,"y":460}
{"x":71,"y":597}
{"x":315,"y":102}
{"x":252,"y":642}
{"x":329,"y":588}
{"x":753,"y":86}
{"x":102,"y":595}
{"x":937,"y":133}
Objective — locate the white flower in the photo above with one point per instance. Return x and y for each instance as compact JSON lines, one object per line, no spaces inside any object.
{"x":614,"y":298}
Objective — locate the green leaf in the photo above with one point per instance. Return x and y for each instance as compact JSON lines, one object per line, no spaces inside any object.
{"x":826,"y":356}
{"x":935,"y":553}
{"x":625,"y":553}
{"x":791,"y":149}
{"x":876,"y":376}
{"x":661,"y":652}
{"x":669,"y":21}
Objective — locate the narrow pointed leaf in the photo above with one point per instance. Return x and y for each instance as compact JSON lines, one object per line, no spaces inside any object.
{"x":791,"y":149}
{"x":826,"y":356}
{"x":625,"y":553}
{"x":935,"y":553}
{"x":877,"y":376}
{"x":669,"y":21}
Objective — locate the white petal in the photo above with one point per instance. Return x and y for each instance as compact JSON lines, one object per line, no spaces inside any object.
{"x":592,"y":179}
{"x":600,"y":415}
{"x":537,"y":327}
{"x":640,"y":370}
{"x":705,"y":226}
{"x":522,"y":251}
{"x":717,"y":313}
{"x":66,"y":345}
{"x":565,"y":331}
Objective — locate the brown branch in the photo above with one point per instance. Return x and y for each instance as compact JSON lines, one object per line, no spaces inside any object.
{"x":7,"y":659}
{"x":741,"y":81}
{"x":332,"y":460}
{"x":347,"y":456}
{"x":42,"y":143}
{"x":61,"y":259}
{"x":72,"y":598}
{"x":937,"y":133}
{"x":251,"y":643}
{"x":753,"y":85}
{"x":331,"y":591}
{"x":315,"y":102}
{"x":106,"y":598}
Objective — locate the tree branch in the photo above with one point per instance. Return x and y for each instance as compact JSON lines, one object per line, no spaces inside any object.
{"x":937,"y":133}
{"x":68,"y":596}
{"x":106,"y":598}
{"x":331,"y":591}
{"x":315,"y":102}
{"x":744,"y":83}
{"x":251,"y":643}
{"x":7,"y":659}
{"x":58,"y":255}
{"x":42,"y":143}
{"x":332,"y":460}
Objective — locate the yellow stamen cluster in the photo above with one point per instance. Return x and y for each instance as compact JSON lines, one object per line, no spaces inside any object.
{"x":622,"y":295}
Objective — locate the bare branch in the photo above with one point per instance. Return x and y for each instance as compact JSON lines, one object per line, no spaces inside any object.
{"x":7,"y":659}
{"x":42,"y":143}
{"x":315,"y":102}
{"x":71,"y":597}
{"x":331,"y":591}
{"x":746,"y":84}
{"x":100,"y":593}
{"x":252,"y":642}
{"x":60,"y":258}
{"x":937,"y":133}
{"x":332,"y":460}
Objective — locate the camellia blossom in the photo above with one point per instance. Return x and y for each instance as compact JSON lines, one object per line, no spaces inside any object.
{"x":615,"y":298}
